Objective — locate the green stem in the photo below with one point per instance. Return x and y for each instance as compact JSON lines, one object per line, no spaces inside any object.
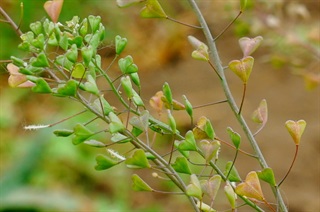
{"x":294,"y":159}
{"x":216,"y":60}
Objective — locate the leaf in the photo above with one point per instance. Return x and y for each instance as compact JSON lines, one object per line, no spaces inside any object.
{"x":69,"y":89}
{"x":120,"y":44}
{"x":94,"y":143}
{"x":181,"y":165}
{"x":249,"y":45}
{"x":167,"y":93}
{"x":201,"y":50}
{"x":188,"y":106}
{"x":116,"y":124}
{"x":267,"y":175}
{"x":194,"y":188}
{"x":243,"y":4}
{"x":91,"y":85}
{"x":296,"y":129}
{"x":104,"y":162}
{"x":78,"y":71}
{"x":81,"y":134}
{"x":234,"y":175}
{"x":40,"y":61}
{"x":53,"y":9}
{"x":127,"y":86}
{"x":127,"y":66}
{"x":189,"y":144}
{"x":63,"y":133}
{"x":127,"y":3}
{"x":228,"y":190}
{"x":153,"y":9}
{"x":203,"y":129}
{"x":94,"y":22}
{"x":16,"y":79}
{"x":242,"y":68}
{"x":172,"y":122}
{"x":119,"y":138}
{"x":139,"y":184}
{"x":260,"y":115}
{"x":41,"y":86}
{"x":141,"y":122}
{"x":156,"y":102}
{"x":87,"y":53}
{"x":211,"y":187}
{"x":210,"y":149}
{"x":235,"y":137}
{"x":138,"y":160}
{"x":251,"y":187}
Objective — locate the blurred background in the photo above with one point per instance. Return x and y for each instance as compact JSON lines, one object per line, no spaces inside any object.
{"x":40,"y":172}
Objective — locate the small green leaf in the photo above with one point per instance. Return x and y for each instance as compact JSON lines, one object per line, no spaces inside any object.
{"x":230,"y":195}
{"x":194,"y":188}
{"x":72,"y":53}
{"x":189,"y":144}
{"x":141,"y":122}
{"x":63,"y":42}
{"x":91,"y":85}
{"x":127,"y":3}
{"x":87,"y":53}
{"x":69,"y":89}
{"x":153,"y":9}
{"x":135,"y":79}
{"x":260,"y":115}
{"x":41,"y":86}
{"x":120,"y":44}
{"x":188,"y":106}
{"x":127,"y":86}
{"x":77,"y":40}
{"x":181,"y":165}
{"x":138,"y":160}
{"x":296,"y":129}
{"x":104,"y":162}
{"x":127,"y":66}
{"x":40,"y":61}
{"x":139,"y":184}
{"x":119,"y":138}
{"x":167,"y":93}
{"x":249,"y":45}
{"x":94,"y":143}
{"x":63,"y":133}
{"x":235,"y":137}
{"x":116,"y":124}
{"x":64,"y":62}
{"x":78,"y":71}
{"x":84,"y":27}
{"x":201,"y":51}
{"x":204,"y":129}
{"x":39,"y":42}
{"x":172,"y":122}
{"x":81,"y":134}
{"x":210,"y":149}
{"x":251,"y":187}
{"x":211,"y":187}
{"x":94,"y":22}
{"x":137,"y":99}
{"x":36,"y":27}
{"x":234,"y":175}
{"x":267,"y":176}
{"x":242,"y":68}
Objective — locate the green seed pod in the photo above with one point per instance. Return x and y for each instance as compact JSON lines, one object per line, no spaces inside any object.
{"x":127,"y":86}
{"x":120,"y":44}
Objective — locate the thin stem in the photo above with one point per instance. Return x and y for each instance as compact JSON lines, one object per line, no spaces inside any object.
{"x":11,"y":22}
{"x":216,"y":59}
{"x":294,"y":159}
{"x":243,"y":96}
{"x":233,"y":162}
{"x":227,"y":27}
{"x":179,"y":22}
{"x":209,"y":104}
{"x":65,"y":119}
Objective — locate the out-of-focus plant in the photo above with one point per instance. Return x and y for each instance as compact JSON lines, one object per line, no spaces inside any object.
{"x":63,"y":62}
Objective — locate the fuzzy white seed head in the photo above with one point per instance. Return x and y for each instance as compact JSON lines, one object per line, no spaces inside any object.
{"x":35,"y":127}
